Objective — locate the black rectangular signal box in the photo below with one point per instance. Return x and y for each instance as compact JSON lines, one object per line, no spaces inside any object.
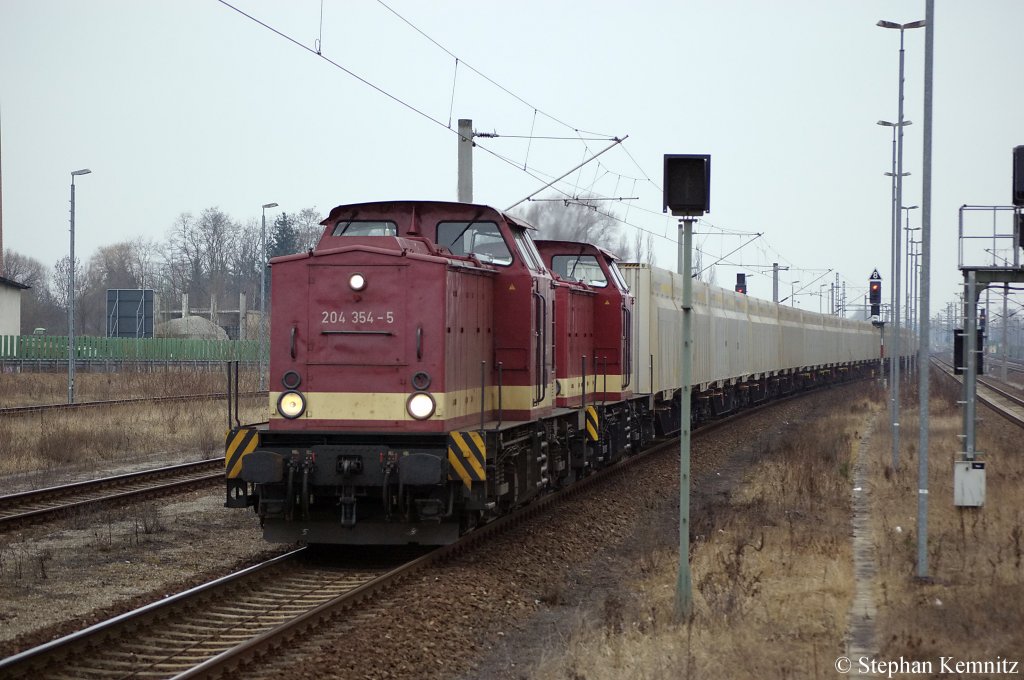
{"x":687,"y":185}
{"x":959,"y":365}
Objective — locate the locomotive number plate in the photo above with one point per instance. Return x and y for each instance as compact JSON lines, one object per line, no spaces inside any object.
{"x":357,"y":318}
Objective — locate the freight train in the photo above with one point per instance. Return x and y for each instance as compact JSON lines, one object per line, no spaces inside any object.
{"x":433,"y":366}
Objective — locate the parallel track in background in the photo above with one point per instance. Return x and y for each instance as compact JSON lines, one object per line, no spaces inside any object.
{"x":211,"y":630}
{"x":44,"y":504}
{"x":1007,"y":404}
{"x":40,"y":408}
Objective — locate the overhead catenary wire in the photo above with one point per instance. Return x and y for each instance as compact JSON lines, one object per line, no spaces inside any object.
{"x":532,"y":172}
{"x":486,"y":77}
{"x":384,"y":92}
{"x":583,"y":136}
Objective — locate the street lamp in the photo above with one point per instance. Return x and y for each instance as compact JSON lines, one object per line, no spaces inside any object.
{"x":898,"y":202}
{"x":263,"y":294}
{"x":909,"y":275}
{"x":71,"y":293}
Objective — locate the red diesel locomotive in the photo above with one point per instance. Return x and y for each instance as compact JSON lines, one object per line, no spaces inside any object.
{"x":430,"y":368}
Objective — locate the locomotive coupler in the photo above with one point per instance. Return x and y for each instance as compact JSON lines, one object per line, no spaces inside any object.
{"x":347,"y":505}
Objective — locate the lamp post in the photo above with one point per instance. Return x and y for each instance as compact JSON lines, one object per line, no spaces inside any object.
{"x":263,"y":295}
{"x":71,"y":293}
{"x":896,"y":245}
{"x":893,"y":212}
{"x":909,"y":274}
{"x":916,"y":283}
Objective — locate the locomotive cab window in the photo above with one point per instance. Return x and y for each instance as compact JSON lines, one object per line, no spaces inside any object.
{"x":617,"y":277}
{"x":365,"y":228}
{"x":528,"y":250}
{"x":582,"y":268}
{"x":482,"y":239}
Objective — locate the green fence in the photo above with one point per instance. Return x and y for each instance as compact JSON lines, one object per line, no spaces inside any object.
{"x":55,"y":347}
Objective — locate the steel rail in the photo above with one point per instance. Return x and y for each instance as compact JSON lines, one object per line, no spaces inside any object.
{"x":234,"y":635}
{"x":18,"y":508}
{"x":991,"y":400}
{"x":35,"y":408}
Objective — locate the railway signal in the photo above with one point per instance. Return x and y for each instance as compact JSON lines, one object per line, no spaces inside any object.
{"x":875,"y":292}
{"x":741,"y":283}
{"x":1018,"y":176}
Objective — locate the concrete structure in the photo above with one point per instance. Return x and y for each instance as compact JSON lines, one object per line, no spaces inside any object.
{"x":10,"y":306}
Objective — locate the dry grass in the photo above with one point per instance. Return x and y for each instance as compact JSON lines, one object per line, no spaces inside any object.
{"x":93,"y":440}
{"x":772,"y":576}
{"x":32,"y":389}
{"x":974,"y":609}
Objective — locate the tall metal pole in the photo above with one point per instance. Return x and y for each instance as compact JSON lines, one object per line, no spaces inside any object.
{"x":896,"y":350}
{"x":71,"y":293}
{"x":970,"y":349}
{"x":465,"y":180}
{"x":924,"y":289}
{"x":263,"y":298}
{"x":1006,"y":337}
{"x":71,"y":302}
{"x":775,"y":282}
{"x":684,"y":586}
{"x":892,"y":268}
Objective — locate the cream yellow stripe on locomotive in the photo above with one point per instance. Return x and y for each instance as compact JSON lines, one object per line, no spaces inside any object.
{"x":467,"y":457}
{"x":391,"y":405}
{"x":237,"y":445}
{"x":592,"y":424}
{"x":570,"y":387}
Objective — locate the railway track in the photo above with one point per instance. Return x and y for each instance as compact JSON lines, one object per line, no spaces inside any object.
{"x":211,"y":630}
{"x":39,"y":408}
{"x":32,"y":506}
{"x":1006,"y":403}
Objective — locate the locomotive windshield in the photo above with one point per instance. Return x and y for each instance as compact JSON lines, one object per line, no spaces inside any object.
{"x":528,"y":250}
{"x":620,"y":281}
{"x":482,"y":239}
{"x":365,"y":228}
{"x":583,"y":268}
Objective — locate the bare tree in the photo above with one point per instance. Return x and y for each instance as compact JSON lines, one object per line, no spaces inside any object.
{"x":308,"y":224}
{"x":24,"y":269}
{"x":38,"y":308}
{"x":59,"y":280}
{"x":578,"y":221}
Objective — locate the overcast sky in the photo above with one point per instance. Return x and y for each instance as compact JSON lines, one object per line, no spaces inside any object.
{"x":179,"y":106}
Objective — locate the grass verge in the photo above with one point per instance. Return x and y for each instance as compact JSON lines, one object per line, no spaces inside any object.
{"x":772,"y":574}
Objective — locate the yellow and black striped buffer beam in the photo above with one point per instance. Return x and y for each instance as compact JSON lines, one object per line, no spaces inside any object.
{"x":467,"y":457}
{"x":237,"y":445}
{"x":592,"y":424}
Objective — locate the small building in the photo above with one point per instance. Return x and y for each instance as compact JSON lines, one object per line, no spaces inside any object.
{"x":10,"y":306}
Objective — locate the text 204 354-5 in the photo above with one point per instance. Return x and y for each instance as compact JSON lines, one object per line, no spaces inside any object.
{"x":357,"y":317}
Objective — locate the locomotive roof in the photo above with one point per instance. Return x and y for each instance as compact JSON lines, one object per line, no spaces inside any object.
{"x":338,"y":211}
{"x":604,"y":251}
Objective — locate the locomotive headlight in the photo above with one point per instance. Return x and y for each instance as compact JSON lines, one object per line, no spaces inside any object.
{"x":357,"y":282}
{"x":291,"y":404}
{"x":420,"y":405}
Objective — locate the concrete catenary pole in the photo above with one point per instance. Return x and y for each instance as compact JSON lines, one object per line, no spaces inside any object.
{"x":684,"y":586}
{"x":924,"y":339}
{"x":465,"y":182}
